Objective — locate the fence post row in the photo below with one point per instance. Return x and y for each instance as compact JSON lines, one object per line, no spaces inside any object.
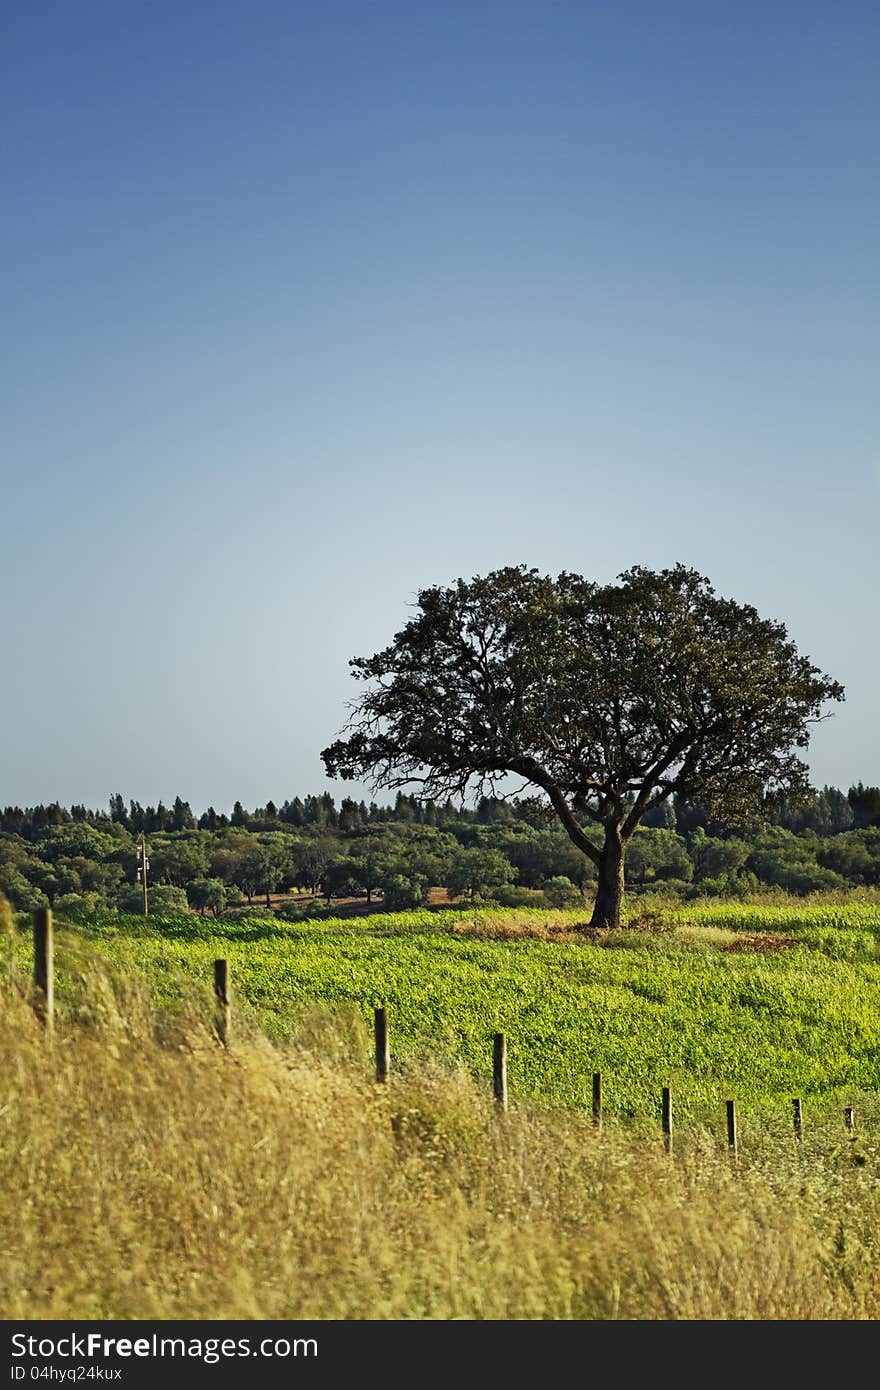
{"x":44,"y":1008}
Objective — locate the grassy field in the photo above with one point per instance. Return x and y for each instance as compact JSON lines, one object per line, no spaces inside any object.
{"x":756,"y":1002}
{"x":147,"y":1173}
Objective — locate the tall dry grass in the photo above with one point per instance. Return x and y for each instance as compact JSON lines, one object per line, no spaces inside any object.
{"x":147,"y":1179}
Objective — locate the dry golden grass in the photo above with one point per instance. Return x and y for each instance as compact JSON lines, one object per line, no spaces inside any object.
{"x":148,"y":1180}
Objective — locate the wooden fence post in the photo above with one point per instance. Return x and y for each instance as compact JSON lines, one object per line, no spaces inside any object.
{"x":666,"y":1113}
{"x":499,"y":1070}
{"x":383,"y":1052}
{"x":597,"y":1099}
{"x":222,"y":997}
{"x":731,"y":1127}
{"x":44,"y":968}
{"x":798,"y":1118}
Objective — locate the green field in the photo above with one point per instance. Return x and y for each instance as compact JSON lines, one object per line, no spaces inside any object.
{"x":685,"y":1000}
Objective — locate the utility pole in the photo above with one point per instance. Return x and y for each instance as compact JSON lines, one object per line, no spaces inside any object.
{"x":143,"y":864}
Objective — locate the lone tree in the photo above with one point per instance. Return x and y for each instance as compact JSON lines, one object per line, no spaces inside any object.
{"x":607,"y":698}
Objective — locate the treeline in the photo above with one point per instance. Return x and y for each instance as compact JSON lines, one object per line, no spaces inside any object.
{"x":76,"y":859}
{"x":830,"y":812}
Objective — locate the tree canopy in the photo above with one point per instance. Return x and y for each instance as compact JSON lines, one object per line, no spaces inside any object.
{"x":608,"y":699}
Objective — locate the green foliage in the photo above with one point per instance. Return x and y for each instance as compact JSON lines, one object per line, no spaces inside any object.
{"x":478,"y":872}
{"x":656,"y":853}
{"x":511,"y":895}
{"x":854,"y":855}
{"x":211,"y":893}
{"x":177,"y":859}
{"x":81,"y":904}
{"x":79,"y":839}
{"x":789,"y":861}
{"x":164,"y":897}
{"x":742,"y":885}
{"x":403,"y":890}
{"x":560,"y":892}
{"x":21,"y":892}
{"x":130,"y":898}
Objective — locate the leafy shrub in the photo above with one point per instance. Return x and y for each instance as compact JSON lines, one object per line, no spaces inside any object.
{"x":160,"y":898}
{"x":511,"y":895}
{"x":739,"y":885}
{"x":401,"y":891}
{"x":559,"y":891}
{"x":80,"y":904}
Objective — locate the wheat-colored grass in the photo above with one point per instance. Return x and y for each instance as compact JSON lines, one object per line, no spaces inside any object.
{"x":148,"y":1179}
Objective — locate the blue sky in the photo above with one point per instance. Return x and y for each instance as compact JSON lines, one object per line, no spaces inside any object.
{"x":308,"y":306}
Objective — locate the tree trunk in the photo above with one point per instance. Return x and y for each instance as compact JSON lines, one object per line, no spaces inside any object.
{"x":609,"y":890}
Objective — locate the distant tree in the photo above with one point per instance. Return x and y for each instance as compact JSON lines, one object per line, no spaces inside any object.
{"x":84,"y":904}
{"x":311,"y":859}
{"x":609,"y":699}
{"x":250,"y":870}
{"x":404,"y":808}
{"x":714,"y":858}
{"x":865,"y":803}
{"x":178,"y":859}
{"x":662,"y":817}
{"x":788,"y":861}
{"x":477,"y":871}
{"x":182,"y":817}
{"x":239,"y":815}
{"x":210,"y":893}
{"x":130,"y":898}
{"x":840,"y":812}
{"x":293,"y":812}
{"x":165,"y":898}
{"x":276,"y":865}
{"x":77,"y":874}
{"x":23,"y":894}
{"x":75,"y":839}
{"x":658,"y":854}
{"x":320,"y":811}
{"x":403,"y":890}
{"x":855,"y":855}
{"x":342,"y":878}
{"x":350,"y":815}
{"x":372,"y":851}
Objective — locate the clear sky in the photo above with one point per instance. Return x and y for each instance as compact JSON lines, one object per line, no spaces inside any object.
{"x":309,"y":305}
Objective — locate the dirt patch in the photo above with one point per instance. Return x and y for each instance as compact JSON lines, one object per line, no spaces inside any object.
{"x":760,"y":943}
